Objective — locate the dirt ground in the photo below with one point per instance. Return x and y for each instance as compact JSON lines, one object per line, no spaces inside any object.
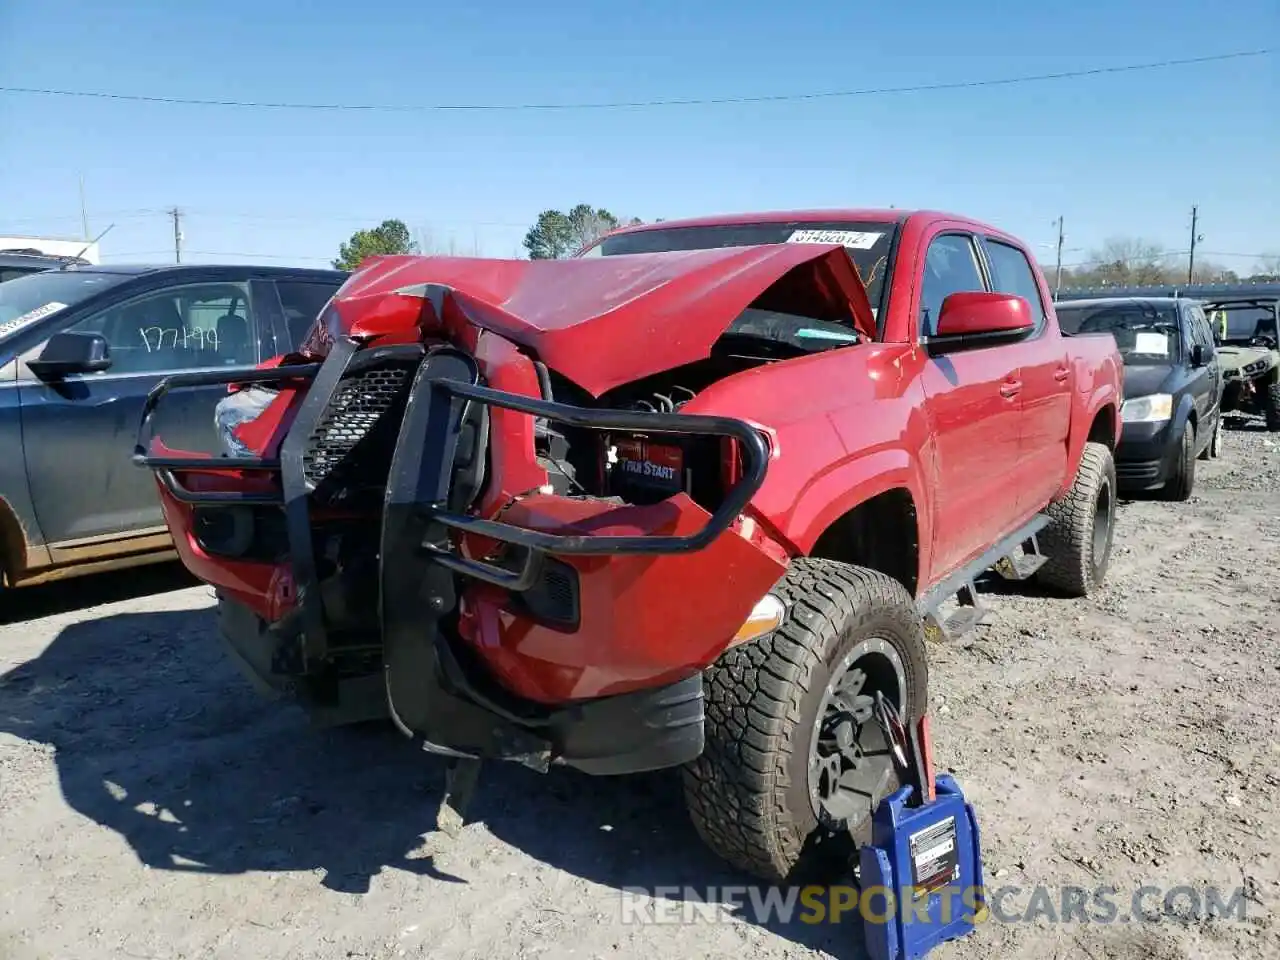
{"x":151,"y":806}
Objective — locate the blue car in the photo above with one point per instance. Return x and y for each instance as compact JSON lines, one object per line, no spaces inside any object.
{"x":80,"y":347}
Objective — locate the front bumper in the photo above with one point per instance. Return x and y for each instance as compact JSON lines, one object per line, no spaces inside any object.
{"x":439,"y":562}
{"x":1145,"y":455}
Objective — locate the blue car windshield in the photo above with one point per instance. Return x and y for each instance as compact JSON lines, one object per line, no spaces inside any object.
{"x":29,"y":299}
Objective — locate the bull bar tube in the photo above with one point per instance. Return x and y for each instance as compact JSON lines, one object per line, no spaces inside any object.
{"x":437,"y":470}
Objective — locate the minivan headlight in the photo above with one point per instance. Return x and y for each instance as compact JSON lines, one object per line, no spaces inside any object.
{"x":1149,"y":409}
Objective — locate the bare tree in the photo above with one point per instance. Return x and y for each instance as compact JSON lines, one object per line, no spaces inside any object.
{"x":1129,"y":260}
{"x":1267,"y":268}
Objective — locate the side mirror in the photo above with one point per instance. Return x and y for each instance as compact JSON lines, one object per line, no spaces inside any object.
{"x":66,"y":353}
{"x":1199,"y":355}
{"x":978,"y":318}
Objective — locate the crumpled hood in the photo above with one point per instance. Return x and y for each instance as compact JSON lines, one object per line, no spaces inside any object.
{"x":601,"y":321}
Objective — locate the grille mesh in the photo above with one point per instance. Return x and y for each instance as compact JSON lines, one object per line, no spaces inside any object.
{"x":359,"y":424}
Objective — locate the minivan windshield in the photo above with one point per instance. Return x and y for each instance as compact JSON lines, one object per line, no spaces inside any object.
{"x":29,"y":299}
{"x":868,"y":243}
{"x":1145,"y":333}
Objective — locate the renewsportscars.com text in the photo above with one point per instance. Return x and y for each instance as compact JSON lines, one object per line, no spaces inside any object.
{"x":1005,"y":904}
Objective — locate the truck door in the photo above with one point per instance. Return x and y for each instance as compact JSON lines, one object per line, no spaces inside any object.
{"x":973,"y":399}
{"x":1046,"y":385}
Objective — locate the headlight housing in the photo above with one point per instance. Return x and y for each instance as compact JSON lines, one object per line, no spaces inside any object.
{"x":243,"y":406}
{"x":1153,"y":408}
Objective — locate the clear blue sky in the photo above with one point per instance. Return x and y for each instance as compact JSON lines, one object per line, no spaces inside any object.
{"x":1120,"y":154}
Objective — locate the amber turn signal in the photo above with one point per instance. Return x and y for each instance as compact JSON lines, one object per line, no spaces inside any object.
{"x":764,"y":617}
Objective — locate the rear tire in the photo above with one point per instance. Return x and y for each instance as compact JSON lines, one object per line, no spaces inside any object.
{"x":1081,"y":528}
{"x":1213,"y":449}
{"x":1271,"y":406}
{"x":755,"y":793}
{"x":1183,"y":479}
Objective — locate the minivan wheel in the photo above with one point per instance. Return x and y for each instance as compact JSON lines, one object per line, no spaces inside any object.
{"x":1183,"y":478}
{"x":1213,"y":449}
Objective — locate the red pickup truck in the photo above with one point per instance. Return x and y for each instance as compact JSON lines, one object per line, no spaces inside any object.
{"x":691,"y":498}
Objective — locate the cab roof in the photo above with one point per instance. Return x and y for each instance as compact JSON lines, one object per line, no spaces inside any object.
{"x":851,"y":215}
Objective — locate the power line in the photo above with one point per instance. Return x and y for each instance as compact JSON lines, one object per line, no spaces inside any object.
{"x":134,"y":214}
{"x":1164,"y":255}
{"x":623,"y":104}
{"x":322,"y":218}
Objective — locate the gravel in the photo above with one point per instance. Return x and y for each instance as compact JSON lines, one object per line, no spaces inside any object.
{"x":152,"y":806}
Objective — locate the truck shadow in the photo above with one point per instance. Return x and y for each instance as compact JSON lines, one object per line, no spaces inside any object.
{"x":156,"y":737}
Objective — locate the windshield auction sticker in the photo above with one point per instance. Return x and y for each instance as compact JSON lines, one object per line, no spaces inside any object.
{"x":30,"y":317}
{"x":1155,"y":344}
{"x":853,"y":239}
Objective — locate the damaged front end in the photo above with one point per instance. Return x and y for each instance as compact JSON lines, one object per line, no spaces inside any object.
{"x":425,"y":519}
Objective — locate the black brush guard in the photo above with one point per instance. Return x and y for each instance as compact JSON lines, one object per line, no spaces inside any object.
{"x":437,"y":470}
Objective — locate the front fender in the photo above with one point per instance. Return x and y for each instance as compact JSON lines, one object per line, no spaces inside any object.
{"x":833,"y":493}
{"x":1097,"y":389}
{"x":1183,"y":412}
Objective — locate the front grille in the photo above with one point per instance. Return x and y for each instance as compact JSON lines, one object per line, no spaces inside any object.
{"x":352,"y":444}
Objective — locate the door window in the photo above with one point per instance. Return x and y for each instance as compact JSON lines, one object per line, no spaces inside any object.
{"x":1201,"y":330}
{"x":182,"y":328}
{"x":1012,"y":273}
{"x":950,"y":266}
{"x":302,"y":302}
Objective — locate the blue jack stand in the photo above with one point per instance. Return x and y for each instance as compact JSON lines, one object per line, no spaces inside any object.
{"x":921,"y":875}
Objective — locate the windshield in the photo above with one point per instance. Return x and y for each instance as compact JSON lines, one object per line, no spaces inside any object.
{"x":1240,"y":323}
{"x":868,"y":243}
{"x":1144,"y":333}
{"x":26,"y":300}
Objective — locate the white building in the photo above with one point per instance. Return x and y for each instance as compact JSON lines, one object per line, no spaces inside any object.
{"x":54,"y":246}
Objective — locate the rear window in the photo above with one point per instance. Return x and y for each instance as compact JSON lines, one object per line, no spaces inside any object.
{"x":1144,"y":333}
{"x":868,"y":243}
{"x":29,"y":299}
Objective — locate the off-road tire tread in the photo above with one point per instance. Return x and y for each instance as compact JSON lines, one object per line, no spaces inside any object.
{"x":1067,"y":542}
{"x":736,"y":791}
{"x":1271,"y":406}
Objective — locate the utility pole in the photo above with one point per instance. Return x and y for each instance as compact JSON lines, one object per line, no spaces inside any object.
{"x":1195,"y":238}
{"x":84,"y":211}
{"x":177,"y":234}
{"x":1057,"y":281}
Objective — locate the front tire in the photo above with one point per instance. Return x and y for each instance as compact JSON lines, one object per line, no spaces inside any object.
{"x":1183,"y":479}
{"x":793,"y":764}
{"x":1271,"y":406}
{"x":1081,"y":528}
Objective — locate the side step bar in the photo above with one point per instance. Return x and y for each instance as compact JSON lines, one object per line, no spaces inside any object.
{"x":1016,"y":557}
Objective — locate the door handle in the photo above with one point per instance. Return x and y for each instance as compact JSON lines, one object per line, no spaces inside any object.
{"x":1061,"y":374}
{"x":1010,"y":388}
